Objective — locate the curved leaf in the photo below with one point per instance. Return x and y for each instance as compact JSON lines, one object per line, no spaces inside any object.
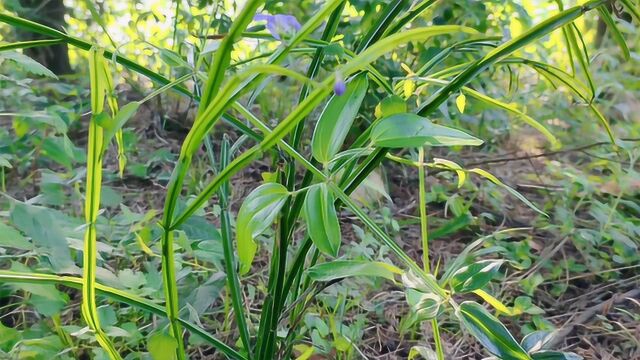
{"x":555,"y":355}
{"x":390,"y":105}
{"x":474,"y":276}
{"x":348,"y":268}
{"x":257,"y":212}
{"x":336,"y":119}
{"x":490,"y":332}
{"x":410,"y":130}
{"x":322,"y":220}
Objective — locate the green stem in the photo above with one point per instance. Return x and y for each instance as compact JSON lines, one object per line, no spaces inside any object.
{"x":233,"y":280}
{"x":424,"y":232}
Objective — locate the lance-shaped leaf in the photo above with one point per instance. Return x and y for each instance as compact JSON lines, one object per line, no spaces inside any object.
{"x":257,"y":212}
{"x":474,"y":276}
{"x":490,"y":332}
{"x":555,"y":355}
{"x":336,"y":120}
{"x":411,"y":130}
{"x":348,"y":268}
{"x":112,"y":125}
{"x":322,"y":220}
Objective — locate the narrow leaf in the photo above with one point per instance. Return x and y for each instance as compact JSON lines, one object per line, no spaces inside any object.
{"x":488,"y":330}
{"x":555,"y":355}
{"x":615,"y":32}
{"x":474,"y":276}
{"x":495,"y":303}
{"x":115,"y":124}
{"x":513,"y":192}
{"x":349,"y":268}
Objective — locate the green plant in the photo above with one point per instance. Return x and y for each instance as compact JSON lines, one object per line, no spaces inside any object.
{"x":332,"y":172}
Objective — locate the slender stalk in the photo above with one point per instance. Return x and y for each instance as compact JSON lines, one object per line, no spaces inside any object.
{"x":424,"y":232}
{"x":89,"y":307}
{"x":233,"y":281}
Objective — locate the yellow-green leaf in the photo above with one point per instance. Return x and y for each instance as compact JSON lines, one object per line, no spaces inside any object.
{"x":257,"y":212}
{"x":322,"y":221}
{"x":461,"y":102}
{"x":490,"y":332}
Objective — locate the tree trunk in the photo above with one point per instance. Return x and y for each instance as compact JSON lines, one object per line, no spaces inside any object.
{"x":50,"y":13}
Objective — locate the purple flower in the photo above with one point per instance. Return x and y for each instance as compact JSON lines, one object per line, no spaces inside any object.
{"x":279,"y":25}
{"x":339,"y":87}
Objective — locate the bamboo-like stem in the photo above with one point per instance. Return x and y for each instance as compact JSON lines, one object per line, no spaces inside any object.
{"x":424,"y":234}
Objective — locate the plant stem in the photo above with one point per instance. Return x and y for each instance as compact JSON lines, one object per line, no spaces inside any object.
{"x":424,"y":231}
{"x":233,"y":282}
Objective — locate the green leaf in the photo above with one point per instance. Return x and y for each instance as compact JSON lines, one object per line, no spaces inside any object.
{"x":258,"y":211}
{"x":410,"y":130}
{"x":555,"y":355}
{"x":422,"y":352}
{"x":348,"y":268}
{"x":112,"y":125}
{"x":162,"y":346}
{"x":474,"y":276}
{"x":487,"y":175}
{"x":336,"y":119}
{"x":536,"y":340}
{"x":27,"y":63}
{"x":490,"y":332}
{"x":10,"y":237}
{"x":322,"y":220}
{"x":615,"y":32}
{"x":39,"y":224}
{"x":425,"y":306}
{"x":390,"y":105}
{"x":172,"y":58}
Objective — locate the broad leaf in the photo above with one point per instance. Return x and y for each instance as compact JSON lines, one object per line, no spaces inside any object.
{"x":348,"y":268}
{"x":474,"y":276}
{"x":257,"y":212}
{"x":488,"y":330}
{"x":27,"y":63}
{"x":162,"y":346}
{"x":40,"y":225}
{"x":336,"y":120}
{"x":322,"y":220}
{"x":410,"y":130}
{"x":390,"y":105}
{"x":10,"y":237}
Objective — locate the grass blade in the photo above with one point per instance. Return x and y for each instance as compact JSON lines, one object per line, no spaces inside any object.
{"x":506,"y":49}
{"x":615,"y":32}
